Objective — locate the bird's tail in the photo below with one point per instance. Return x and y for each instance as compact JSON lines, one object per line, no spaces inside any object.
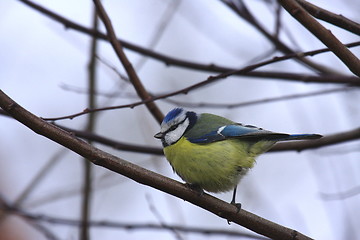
{"x":300,"y":137}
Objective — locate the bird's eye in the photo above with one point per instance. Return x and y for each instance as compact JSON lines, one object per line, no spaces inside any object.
{"x":172,"y":128}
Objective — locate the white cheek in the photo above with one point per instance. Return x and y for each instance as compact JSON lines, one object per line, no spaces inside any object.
{"x":175,"y":135}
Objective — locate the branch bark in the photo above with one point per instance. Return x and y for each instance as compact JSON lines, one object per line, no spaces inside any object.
{"x":135,"y":80}
{"x":323,"y":34}
{"x":327,"y":16}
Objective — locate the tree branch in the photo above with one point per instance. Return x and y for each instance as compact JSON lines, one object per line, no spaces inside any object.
{"x":258,"y":101}
{"x":140,"y":89}
{"x":90,"y":125}
{"x":327,"y":16}
{"x":146,"y":177}
{"x":242,"y":11}
{"x":323,"y":34}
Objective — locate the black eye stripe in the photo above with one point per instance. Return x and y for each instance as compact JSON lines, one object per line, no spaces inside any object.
{"x":174,"y":126}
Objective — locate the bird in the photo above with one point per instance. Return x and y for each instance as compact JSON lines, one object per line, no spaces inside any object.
{"x":213,"y":153}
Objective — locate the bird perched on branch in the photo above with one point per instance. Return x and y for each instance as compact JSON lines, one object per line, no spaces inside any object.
{"x":212,"y":153}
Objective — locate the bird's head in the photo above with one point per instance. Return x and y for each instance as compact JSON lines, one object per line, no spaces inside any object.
{"x":175,"y":124}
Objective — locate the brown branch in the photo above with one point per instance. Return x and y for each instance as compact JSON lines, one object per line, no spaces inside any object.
{"x":259,"y":101}
{"x":217,"y":105}
{"x":327,"y":16}
{"x":146,"y":177}
{"x":323,"y":34}
{"x":140,"y":89}
{"x":170,"y":61}
{"x":90,"y":125}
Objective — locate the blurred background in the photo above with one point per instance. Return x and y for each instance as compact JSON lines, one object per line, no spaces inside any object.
{"x":44,"y":67}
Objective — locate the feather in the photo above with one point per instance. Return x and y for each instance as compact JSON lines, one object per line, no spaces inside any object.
{"x":249,"y":133}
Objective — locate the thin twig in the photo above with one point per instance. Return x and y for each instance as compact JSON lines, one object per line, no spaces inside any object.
{"x":159,"y":217}
{"x":44,"y":230}
{"x":260,"y":101}
{"x":355,"y":191}
{"x":140,"y":89}
{"x":219,"y":105}
{"x":242,"y":10}
{"x":278,"y":23}
{"x":165,"y":21}
{"x":84,"y":233}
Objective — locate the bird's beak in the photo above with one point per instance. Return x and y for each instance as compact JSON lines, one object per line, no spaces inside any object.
{"x":159,"y":135}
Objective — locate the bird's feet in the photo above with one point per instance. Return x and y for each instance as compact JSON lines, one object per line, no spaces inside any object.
{"x":237,"y":205}
{"x":195,"y":188}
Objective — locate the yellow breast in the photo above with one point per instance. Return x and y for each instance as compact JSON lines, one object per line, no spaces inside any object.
{"x":215,"y":167}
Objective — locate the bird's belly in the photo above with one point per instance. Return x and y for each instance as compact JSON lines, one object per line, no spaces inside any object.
{"x":215,"y":167}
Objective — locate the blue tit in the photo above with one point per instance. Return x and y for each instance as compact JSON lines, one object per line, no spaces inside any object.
{"x":213,"y":153}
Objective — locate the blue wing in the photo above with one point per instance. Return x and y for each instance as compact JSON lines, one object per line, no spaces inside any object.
{"x":247,"y":133}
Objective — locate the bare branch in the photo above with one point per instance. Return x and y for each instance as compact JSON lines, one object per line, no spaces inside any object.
{"x":219,"y":105}
{"x":242,"y":11}
{"x":323,"y":34}
{"x":260,"y":101}
{"x":355,"y":191}
{"x":90,"y":125}
{"x":159,"y":217}
{"x":327,"y":16}
{"x":140,"y":89}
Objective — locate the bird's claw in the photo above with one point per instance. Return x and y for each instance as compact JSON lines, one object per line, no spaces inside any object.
{"x":196,"y":188}
{"x":238,"y":207}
